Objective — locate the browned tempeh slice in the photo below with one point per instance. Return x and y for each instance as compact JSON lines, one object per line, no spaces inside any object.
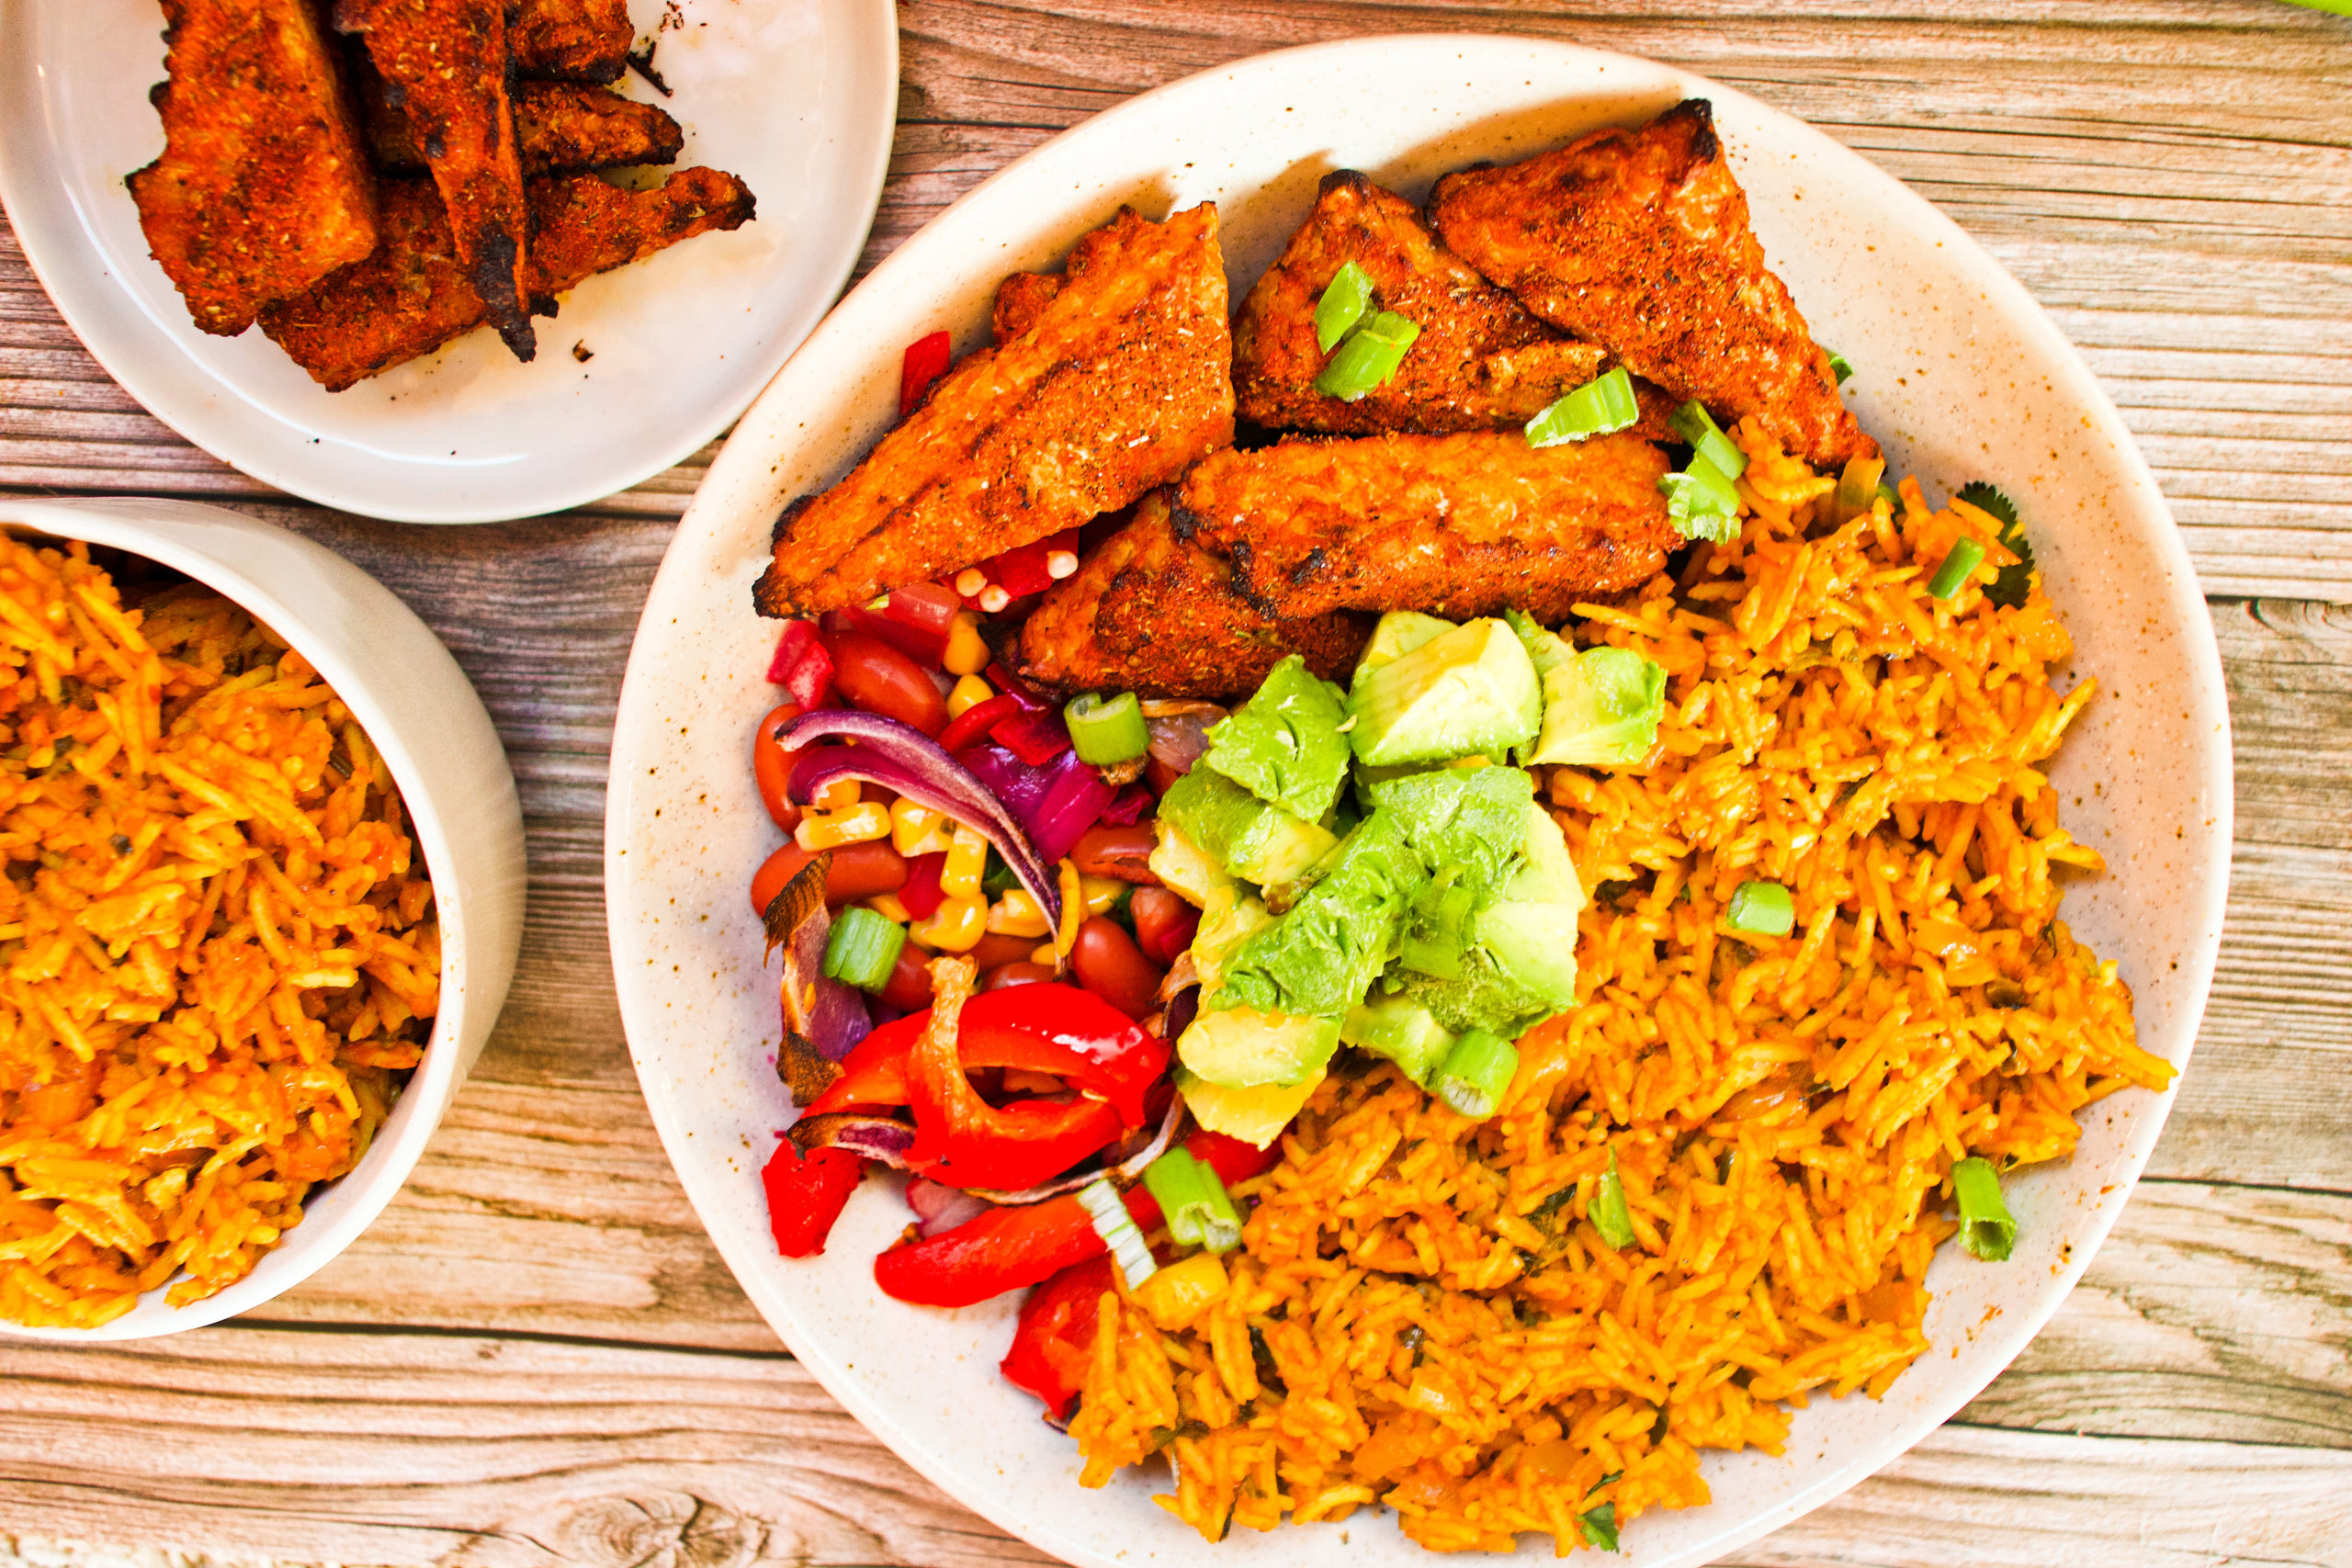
{"x":1021,"y":299}
{"x":1124,"y":378}
{"x":262,"y":189}
{"x":1463,"y":524}
{"x":445,"y":63}
{"x":581,"y":40}
{"x":559,"y":126}
{"x":1639,"y":240}
{"x":1148,"y":612}
{"x":412,"y":296}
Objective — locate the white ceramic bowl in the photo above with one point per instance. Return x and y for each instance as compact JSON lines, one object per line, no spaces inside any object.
{"x":1960,"y":374}
{"x":421,"y":712}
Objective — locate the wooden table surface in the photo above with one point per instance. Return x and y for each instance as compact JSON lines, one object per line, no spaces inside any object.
{"x":534,"y":1358}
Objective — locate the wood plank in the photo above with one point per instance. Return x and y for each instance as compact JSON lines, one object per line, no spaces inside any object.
{"x":484,"y":1452}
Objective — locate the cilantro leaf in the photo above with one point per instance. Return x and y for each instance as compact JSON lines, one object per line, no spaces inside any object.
{"x":1599,"y":1526}
{"x":2014,"y":583}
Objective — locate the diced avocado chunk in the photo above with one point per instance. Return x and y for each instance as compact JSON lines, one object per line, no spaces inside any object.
{"x":1256,"y":1114}
{"x":1521,"y":966}
{"x":1472,"y":689}
{"x":1536,"y":945}
{"x":1320,"y":956}
{"x":1482,"y":996}
{"x":1401,"y":1029}
{"x":1602,"y":707}
{"x":1240,"y":1046}
{"x":1285,"y":745}
{"x":1183,"y":865}
{"x":1545,"y":649}
{"x":1250,"y":838}
{"x":1229,"y":918}
{"x":1398,"y":632}
{"x":1472,"y":820}
{"x":1547,"y":872}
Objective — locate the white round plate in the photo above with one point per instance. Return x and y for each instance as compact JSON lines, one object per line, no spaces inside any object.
{"x":798,"y":98}
{"x":1961,"y":375}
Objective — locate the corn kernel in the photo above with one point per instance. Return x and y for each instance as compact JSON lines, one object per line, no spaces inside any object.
{"x":861,"y":824}
{"x":1060,"y":564}
{"x":970,"y":581}
{"x":967,"y":693}
{"x":957,"y":926}
{"x":966,"y":654}
{"x":886,"y":905}
{"x":994,"y":598}
{"x":967,"y":861}
{"x":839,"y":796}
{"x":1045,"y":954}
{"x":1182,"y":1291}
{"x":1074,"y":909}
{"x":1018,"y":913}
{"x":1097,"y":893}
{"x":918,"y":830}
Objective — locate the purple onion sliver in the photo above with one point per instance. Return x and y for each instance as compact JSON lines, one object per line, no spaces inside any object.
{"x":966,"y":802}
{"x":1073,"y":805}
{"x":1127,"y":808}
{"x":880,"y":1138}
{"x":941,"y":1208}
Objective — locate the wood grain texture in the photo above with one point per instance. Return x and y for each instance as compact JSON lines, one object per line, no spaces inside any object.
{"x":536,"y":1358}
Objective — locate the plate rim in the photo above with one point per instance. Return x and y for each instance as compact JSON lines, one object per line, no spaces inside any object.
{"x":2006,"y":293}
{"x":67,"y":251}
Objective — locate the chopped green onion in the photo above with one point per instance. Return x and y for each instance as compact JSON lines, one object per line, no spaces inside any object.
{"x":1599,"y":406}
{"x":1608,"y":1211}
{"x":1985,"y":1227}
{"x":1434,"y":956}
{"x":1697,"y":426}
{"x":1840,"y":366}
{"x":1856,"y":485}
{"x":1599,"y":1526}
{"x":1475,"y":1073}
{"x":1966,"y":555}
{"x":863,"y":948}
{"x":1117,"y":1228}
{"x":1765,"y":908}
{"x":1702,"y":502}
{"x":1103,"y":731}
{"x":2013,"y":584}
{"x":1887,"y":493}
{"x":1195,"y":1202}
{"x":1345,"y":299}
{"x":1369,"y":357}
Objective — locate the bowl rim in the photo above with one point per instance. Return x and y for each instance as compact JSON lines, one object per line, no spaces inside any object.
{"x":385,"y":1167}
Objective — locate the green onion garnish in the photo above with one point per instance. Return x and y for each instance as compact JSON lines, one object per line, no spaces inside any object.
{"x":1985,"y":1227}
{"x":1599,"y":1526}
{"x":1696,"y":425}
{"x":1966,"y":555}
{"x":1600,"y":405}
{"x":1195,"y":1202}
{"x":863,"y":948}
{"x":1702,"y":502}
{"x":1764,"y":908}
{"x":1104,"y":730}
{"x":1475,"y":1073}
{"x":1345,"y":299}
{"x":1435,"y":955}
{"x":2013,"y":584}
{"x":1369,"y":357}
{"x":1608,"y":1211}
{"x":1117,"y":1228}
{"x":1840,"y":366}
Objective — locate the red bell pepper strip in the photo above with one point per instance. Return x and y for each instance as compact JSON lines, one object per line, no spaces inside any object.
{"x":1055,"y":1337}
{"x":976,"y":720}
{"x":929,"y":606}
{"x":926,"y":362}
{"x":801,"y":665}
{"x":923,"y":895}
{"x":962,"y":1141}
{"x":922,"y":644}
{"x":807,"y":1194}
{"x":1035,"y":737}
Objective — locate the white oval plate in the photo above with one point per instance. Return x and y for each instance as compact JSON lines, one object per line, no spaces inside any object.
{"x":796,"y":96}
{"x":1961,"y":375}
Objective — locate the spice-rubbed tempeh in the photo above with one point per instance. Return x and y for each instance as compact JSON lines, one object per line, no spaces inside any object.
{"x":1123,"y":379}
{"x":445,"y":63}
{"x":1459,"y":526}
{"x":1639,"y":240}
{"x":578,"y":40}
{"x":1482,"y":362}
{"x":412,"y":296}
{"x":559,"y":126}
{"x":261,"y":188}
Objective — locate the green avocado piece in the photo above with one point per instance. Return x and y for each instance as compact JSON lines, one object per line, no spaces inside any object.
{"x":1242,"y":1046}
{"x":1521,"y":966}
{"x":1472,"y":820}
{"x":1286,"y":744}
{"x":1401,"y":1029}
{"x":1545,"y":649}
{"x":1469,"y":690}
{"x":1601,"y":709}
{"x":1483,"y":996}
{"x":1228,"y":917}
{"x":1183,"y":865}
{"x":1397,"y":634}
{"x":1319,"y":958}
{"x":1251,"y":839}
{"x":1256,"y":1114}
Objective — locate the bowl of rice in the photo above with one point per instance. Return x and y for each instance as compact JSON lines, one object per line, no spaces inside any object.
{"x":263,"y":896}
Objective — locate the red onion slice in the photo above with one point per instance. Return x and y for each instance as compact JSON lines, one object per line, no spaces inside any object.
{"x":882,"y":1138}
{"x":825,"y":1013}
{"x":1126,"y":1173}
{"x":940,"y":1208}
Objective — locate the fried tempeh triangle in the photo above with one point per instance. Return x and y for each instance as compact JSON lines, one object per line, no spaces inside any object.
{"x":445,"y":63}
{"x":1148,"y":612}
{"x":412,"y":296}
{"x":1639,"y":239}
{"x":1123,"y":379}
{"x":1481,"y":363}
{"x":1459,"y":524}
{"x":579,"y":40}
{"x":262,"y":189}
{"x":559,"y":126}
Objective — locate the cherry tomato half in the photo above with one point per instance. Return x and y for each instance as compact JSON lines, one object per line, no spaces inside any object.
{"x":908,"y":987}
{"x":772,"y":766}
{"x":1110,"y":965}
{"x":871,"y":674}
